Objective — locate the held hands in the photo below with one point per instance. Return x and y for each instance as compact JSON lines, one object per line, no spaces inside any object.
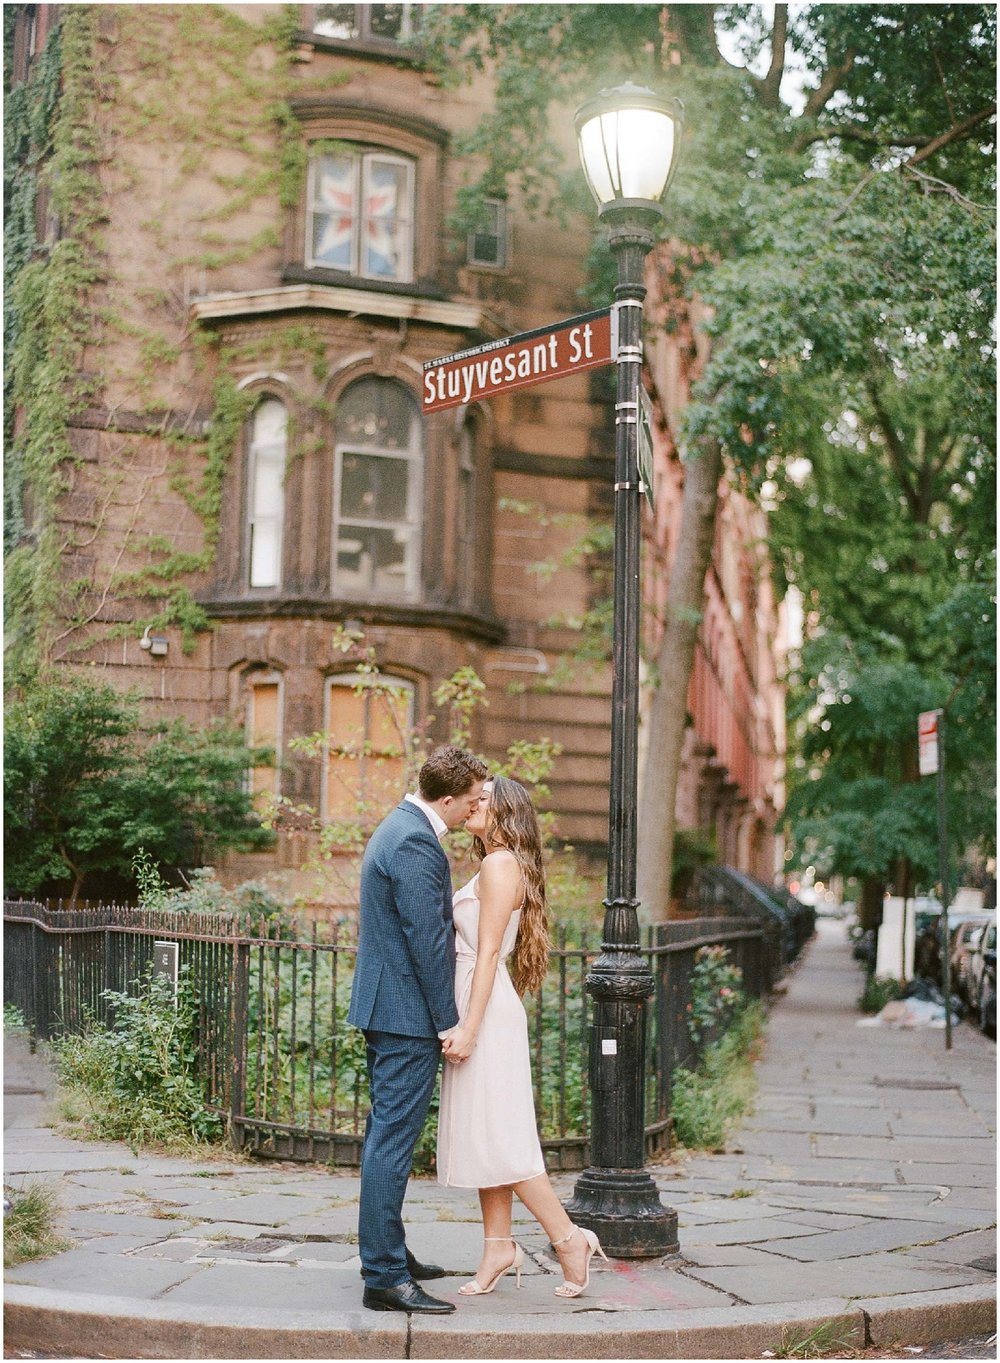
{"x":458,"y":1044}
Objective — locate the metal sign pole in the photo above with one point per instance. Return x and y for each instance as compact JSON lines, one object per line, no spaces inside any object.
{"x":943,"y":876}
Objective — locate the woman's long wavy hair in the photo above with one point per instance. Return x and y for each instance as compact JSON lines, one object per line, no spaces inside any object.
{"x":512,"y":823}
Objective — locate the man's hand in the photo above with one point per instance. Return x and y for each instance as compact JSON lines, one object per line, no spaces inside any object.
{"x":458,"y":1044}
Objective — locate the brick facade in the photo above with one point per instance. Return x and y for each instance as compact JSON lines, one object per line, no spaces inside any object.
{"x":497,"y":489}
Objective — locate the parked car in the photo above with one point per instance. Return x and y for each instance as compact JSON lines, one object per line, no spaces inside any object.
{"x":983,"y":977}
{"x":960,"y":948}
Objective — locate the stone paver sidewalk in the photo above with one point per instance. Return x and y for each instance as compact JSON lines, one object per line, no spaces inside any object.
{"x":856,"y":1206}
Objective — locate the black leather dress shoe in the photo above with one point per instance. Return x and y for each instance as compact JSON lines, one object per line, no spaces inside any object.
{"x":422,"y":1273}
{"x":405,"y":1297}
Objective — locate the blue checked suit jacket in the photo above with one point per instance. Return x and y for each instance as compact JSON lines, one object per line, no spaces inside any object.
{"x":404,"y":976}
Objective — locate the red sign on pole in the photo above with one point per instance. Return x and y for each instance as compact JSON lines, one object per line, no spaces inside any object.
{"x":927,"y":737}
{"x":579,"y":343}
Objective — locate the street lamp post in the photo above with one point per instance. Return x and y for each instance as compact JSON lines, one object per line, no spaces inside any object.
{"x":628,"y":145}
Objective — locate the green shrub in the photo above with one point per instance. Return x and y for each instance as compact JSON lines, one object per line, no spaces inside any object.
{"x":250,"y":903}
{"x":29,"y":1225}
{"x":13,"y":1019}
{"x":704,"y":1103}
{"x":877,"y":993}
{"x":137,"y":1076}
{"x":716,"y":992}
{"x":87,"y":784}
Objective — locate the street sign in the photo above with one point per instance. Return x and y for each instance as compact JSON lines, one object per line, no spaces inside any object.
{"x":645,"y":447}
{"x":927,"y":737}
{"x":570,"y":347}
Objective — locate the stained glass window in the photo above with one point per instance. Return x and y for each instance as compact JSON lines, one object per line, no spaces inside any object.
{"x":361,"y":214}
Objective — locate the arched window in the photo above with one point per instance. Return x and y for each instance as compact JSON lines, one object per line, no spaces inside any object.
{"x":369,"y":724}
{"x":266,"y":501}
{"x":377,"y":491}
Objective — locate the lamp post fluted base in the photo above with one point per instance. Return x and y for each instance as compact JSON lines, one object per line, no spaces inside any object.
{"x":623,"y":1208}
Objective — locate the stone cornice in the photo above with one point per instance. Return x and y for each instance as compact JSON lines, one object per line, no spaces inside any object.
{"x":247,"y":303}
{"x":466,"y":624}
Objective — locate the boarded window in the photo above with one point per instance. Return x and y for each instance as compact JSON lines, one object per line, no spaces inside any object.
{"x":264,"y":731}
{"x":369,"y":725}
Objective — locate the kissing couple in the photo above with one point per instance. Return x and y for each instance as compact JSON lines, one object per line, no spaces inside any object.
{"x":438,"y":974}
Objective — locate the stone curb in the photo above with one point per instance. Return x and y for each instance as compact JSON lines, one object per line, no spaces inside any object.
{"x":954,"y":1313}
{"x":50,"y":1322}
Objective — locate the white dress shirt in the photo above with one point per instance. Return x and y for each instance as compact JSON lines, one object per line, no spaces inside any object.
{"x":437,"y":823}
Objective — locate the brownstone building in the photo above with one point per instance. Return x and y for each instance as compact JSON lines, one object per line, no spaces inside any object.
{"x":269,"y":207}
{"x":732,"y":774}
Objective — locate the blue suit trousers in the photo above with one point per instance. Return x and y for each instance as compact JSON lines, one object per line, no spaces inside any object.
{"x":401,"y":1074}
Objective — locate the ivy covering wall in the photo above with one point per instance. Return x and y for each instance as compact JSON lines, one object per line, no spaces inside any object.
{"x":111,"y":395}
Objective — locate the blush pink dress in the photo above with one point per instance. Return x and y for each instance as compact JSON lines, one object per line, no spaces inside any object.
{"x":487,"y":1135}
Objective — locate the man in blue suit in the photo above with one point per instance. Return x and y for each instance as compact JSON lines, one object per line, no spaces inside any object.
{"x":403,"y":999}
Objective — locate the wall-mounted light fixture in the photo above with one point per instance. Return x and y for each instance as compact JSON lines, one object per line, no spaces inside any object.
{"x":156,"y":645}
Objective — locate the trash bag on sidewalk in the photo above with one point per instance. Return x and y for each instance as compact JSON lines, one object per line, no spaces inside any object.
{"x":907,"y":1013}
{"x":920,"y":987}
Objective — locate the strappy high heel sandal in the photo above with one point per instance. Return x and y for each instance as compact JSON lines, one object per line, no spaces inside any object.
{"x":568,"y":1289}
{"x":474,"y":1289}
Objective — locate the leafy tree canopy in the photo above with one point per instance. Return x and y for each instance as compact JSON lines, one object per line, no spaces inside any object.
{"x":842,"y":235}
{"x":848,"y":240}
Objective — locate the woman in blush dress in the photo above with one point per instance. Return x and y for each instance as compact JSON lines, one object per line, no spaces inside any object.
{"x":487,"y":1136}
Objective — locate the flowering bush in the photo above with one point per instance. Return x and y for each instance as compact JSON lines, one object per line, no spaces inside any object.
{"x":716,"y":991}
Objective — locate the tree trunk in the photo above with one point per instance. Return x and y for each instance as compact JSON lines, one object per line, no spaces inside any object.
{"x":870,"y":902}
{"x":78,"y":876}
{"x":668,"y":711}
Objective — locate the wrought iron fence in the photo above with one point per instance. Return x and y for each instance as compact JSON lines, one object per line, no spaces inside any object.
{"x":276,"y":1055}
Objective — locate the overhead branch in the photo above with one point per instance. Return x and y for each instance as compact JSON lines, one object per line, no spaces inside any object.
{"x":926,"y":143}
{"x":833,"y":78}
{"x":933,"y":185}
{"x":854,"y":132}
{"x":956,"y":133}
{"x":943,"y":83}
{"x":947,"y":448}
